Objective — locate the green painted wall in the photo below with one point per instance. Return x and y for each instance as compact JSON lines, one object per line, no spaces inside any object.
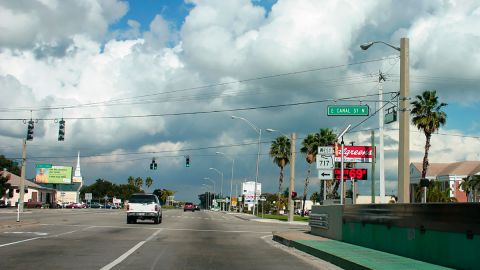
{"x":443,"y":248}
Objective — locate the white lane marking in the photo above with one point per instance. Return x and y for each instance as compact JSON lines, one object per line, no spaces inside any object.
{"x":40,"y":237}
{"x":220,"y":231}
{"x":129,"y":252}
{"x":25,"y":240}
{"x":156,"y":228}
{"x":36,"y":233}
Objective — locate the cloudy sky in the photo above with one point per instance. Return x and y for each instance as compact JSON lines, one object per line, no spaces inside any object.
{"x":144,"y":79}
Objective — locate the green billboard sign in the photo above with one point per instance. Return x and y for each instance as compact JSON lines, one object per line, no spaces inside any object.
{"x":348,"y":110}
{"x":48,"y":174}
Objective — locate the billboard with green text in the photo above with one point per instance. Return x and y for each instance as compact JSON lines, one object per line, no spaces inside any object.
{"x":48,"y":174}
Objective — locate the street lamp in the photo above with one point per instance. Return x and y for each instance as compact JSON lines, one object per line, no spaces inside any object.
{"x":292,"y":171}
{"x":404,"y":127}
{"x":259,"y":131}
{"x":231,"y":179}
{"x":221,"y":186}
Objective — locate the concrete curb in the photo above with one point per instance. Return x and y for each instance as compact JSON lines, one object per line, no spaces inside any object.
{"x":348,"y":256}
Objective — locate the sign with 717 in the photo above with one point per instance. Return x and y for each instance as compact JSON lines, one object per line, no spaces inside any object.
{"x":325,"y":162}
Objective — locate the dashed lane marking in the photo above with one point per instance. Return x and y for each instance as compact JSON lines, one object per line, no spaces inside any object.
{"x":129,"y":252}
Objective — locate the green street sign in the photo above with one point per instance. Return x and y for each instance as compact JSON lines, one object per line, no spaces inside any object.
{"x":46,"y":166}
{"x":348,"y":110}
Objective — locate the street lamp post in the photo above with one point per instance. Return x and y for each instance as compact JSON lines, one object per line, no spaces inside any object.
{"x":404,"y":126}
{"x":231,"y":179}
{"x":259,"y":131}
{"x":292,"y":171}
{"x":221,"y":186}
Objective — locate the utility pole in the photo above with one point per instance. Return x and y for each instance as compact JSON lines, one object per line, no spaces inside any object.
{"x":380,"y":143}
{"x":373,"y":166}
{"x":292,"y":175}
{"x":404,"y":127}
{"x":22,"y":179}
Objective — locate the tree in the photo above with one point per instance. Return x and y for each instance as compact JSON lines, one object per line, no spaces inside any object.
{"x":315,"y":197}
{"x":310,"y":148}
{"x":148,"y":182}
{"x":9,"y":165}
{"x":428,"y":117}
{"x":163,"y":194}
{"x":139,"y":182}
{"x":435,"y":193}
{"x":471,"y":184}
{"x":4,"y":185}
{"x":280,"y":153}
{"x":131,"y":180}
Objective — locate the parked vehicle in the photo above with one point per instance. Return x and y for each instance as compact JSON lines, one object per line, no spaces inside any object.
{"x":4,"y":204}
{"x":144,"y":206}
{"x":96,"y":205}
{"x":33,"y":204}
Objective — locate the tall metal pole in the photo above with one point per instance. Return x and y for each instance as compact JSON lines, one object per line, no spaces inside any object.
{"x":373,"y":167}
{"x":22,"y":179}
{"x":231,"y":187}
{"x":341,"y":172}
{"x":404,"y":128}
{"x":292,"y":176}
{"x":256,"y":176}
{"x":382,"y":155}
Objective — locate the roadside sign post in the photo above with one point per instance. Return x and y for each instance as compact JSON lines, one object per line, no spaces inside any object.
{"x":262,"y":199}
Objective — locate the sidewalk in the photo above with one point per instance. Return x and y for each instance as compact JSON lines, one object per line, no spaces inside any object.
{"x":346,"y":255}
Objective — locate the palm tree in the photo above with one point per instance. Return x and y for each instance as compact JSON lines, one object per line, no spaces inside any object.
{"x":139,"y":182}
{"x":280,"y":153}
{"x":471,"y":184}
{"x":131,"y":181}
{"x":310,"y":148}
{"x":428,"y":117}
{"x":148,"y":182}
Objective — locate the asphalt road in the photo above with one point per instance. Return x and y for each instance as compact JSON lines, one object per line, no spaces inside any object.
{"x":101,"y":239}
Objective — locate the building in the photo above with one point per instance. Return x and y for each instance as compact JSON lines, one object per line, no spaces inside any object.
{"x":450,"y":174}
{"x":33,"y":192}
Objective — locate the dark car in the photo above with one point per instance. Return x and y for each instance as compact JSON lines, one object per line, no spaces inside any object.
{"x":96,"y":205}
{"x":3,"y":204}
{"x":197,"y":207}
{"x":189,"y":207}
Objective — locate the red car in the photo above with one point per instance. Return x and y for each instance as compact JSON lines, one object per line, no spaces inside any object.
{"x":189,"y":207}
{"x":75,"y":205}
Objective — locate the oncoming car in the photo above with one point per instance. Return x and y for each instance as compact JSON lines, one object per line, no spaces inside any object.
{"x":189,"y":207}
{"x":144,"y":206}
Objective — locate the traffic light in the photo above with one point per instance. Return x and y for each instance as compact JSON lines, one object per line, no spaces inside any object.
{"x":153,"y":165}
{"x":30,"y":130}
{"x":61,"y":130}
{"x":294,"y":194}
{"x":187,"y":161}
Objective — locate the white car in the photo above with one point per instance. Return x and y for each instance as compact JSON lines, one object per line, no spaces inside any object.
{"x":144,"y":206}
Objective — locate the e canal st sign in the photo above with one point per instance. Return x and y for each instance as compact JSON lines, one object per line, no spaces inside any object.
{"x":348,"y":110}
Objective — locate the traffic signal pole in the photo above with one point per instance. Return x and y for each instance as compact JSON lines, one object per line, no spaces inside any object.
{"x":22,"y":179}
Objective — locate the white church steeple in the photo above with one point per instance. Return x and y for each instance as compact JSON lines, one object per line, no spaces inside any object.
{"x":77,"y":177}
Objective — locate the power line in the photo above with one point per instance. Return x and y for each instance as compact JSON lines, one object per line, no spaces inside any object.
{"x":201,"y":112}
{"x":210,"y":85}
